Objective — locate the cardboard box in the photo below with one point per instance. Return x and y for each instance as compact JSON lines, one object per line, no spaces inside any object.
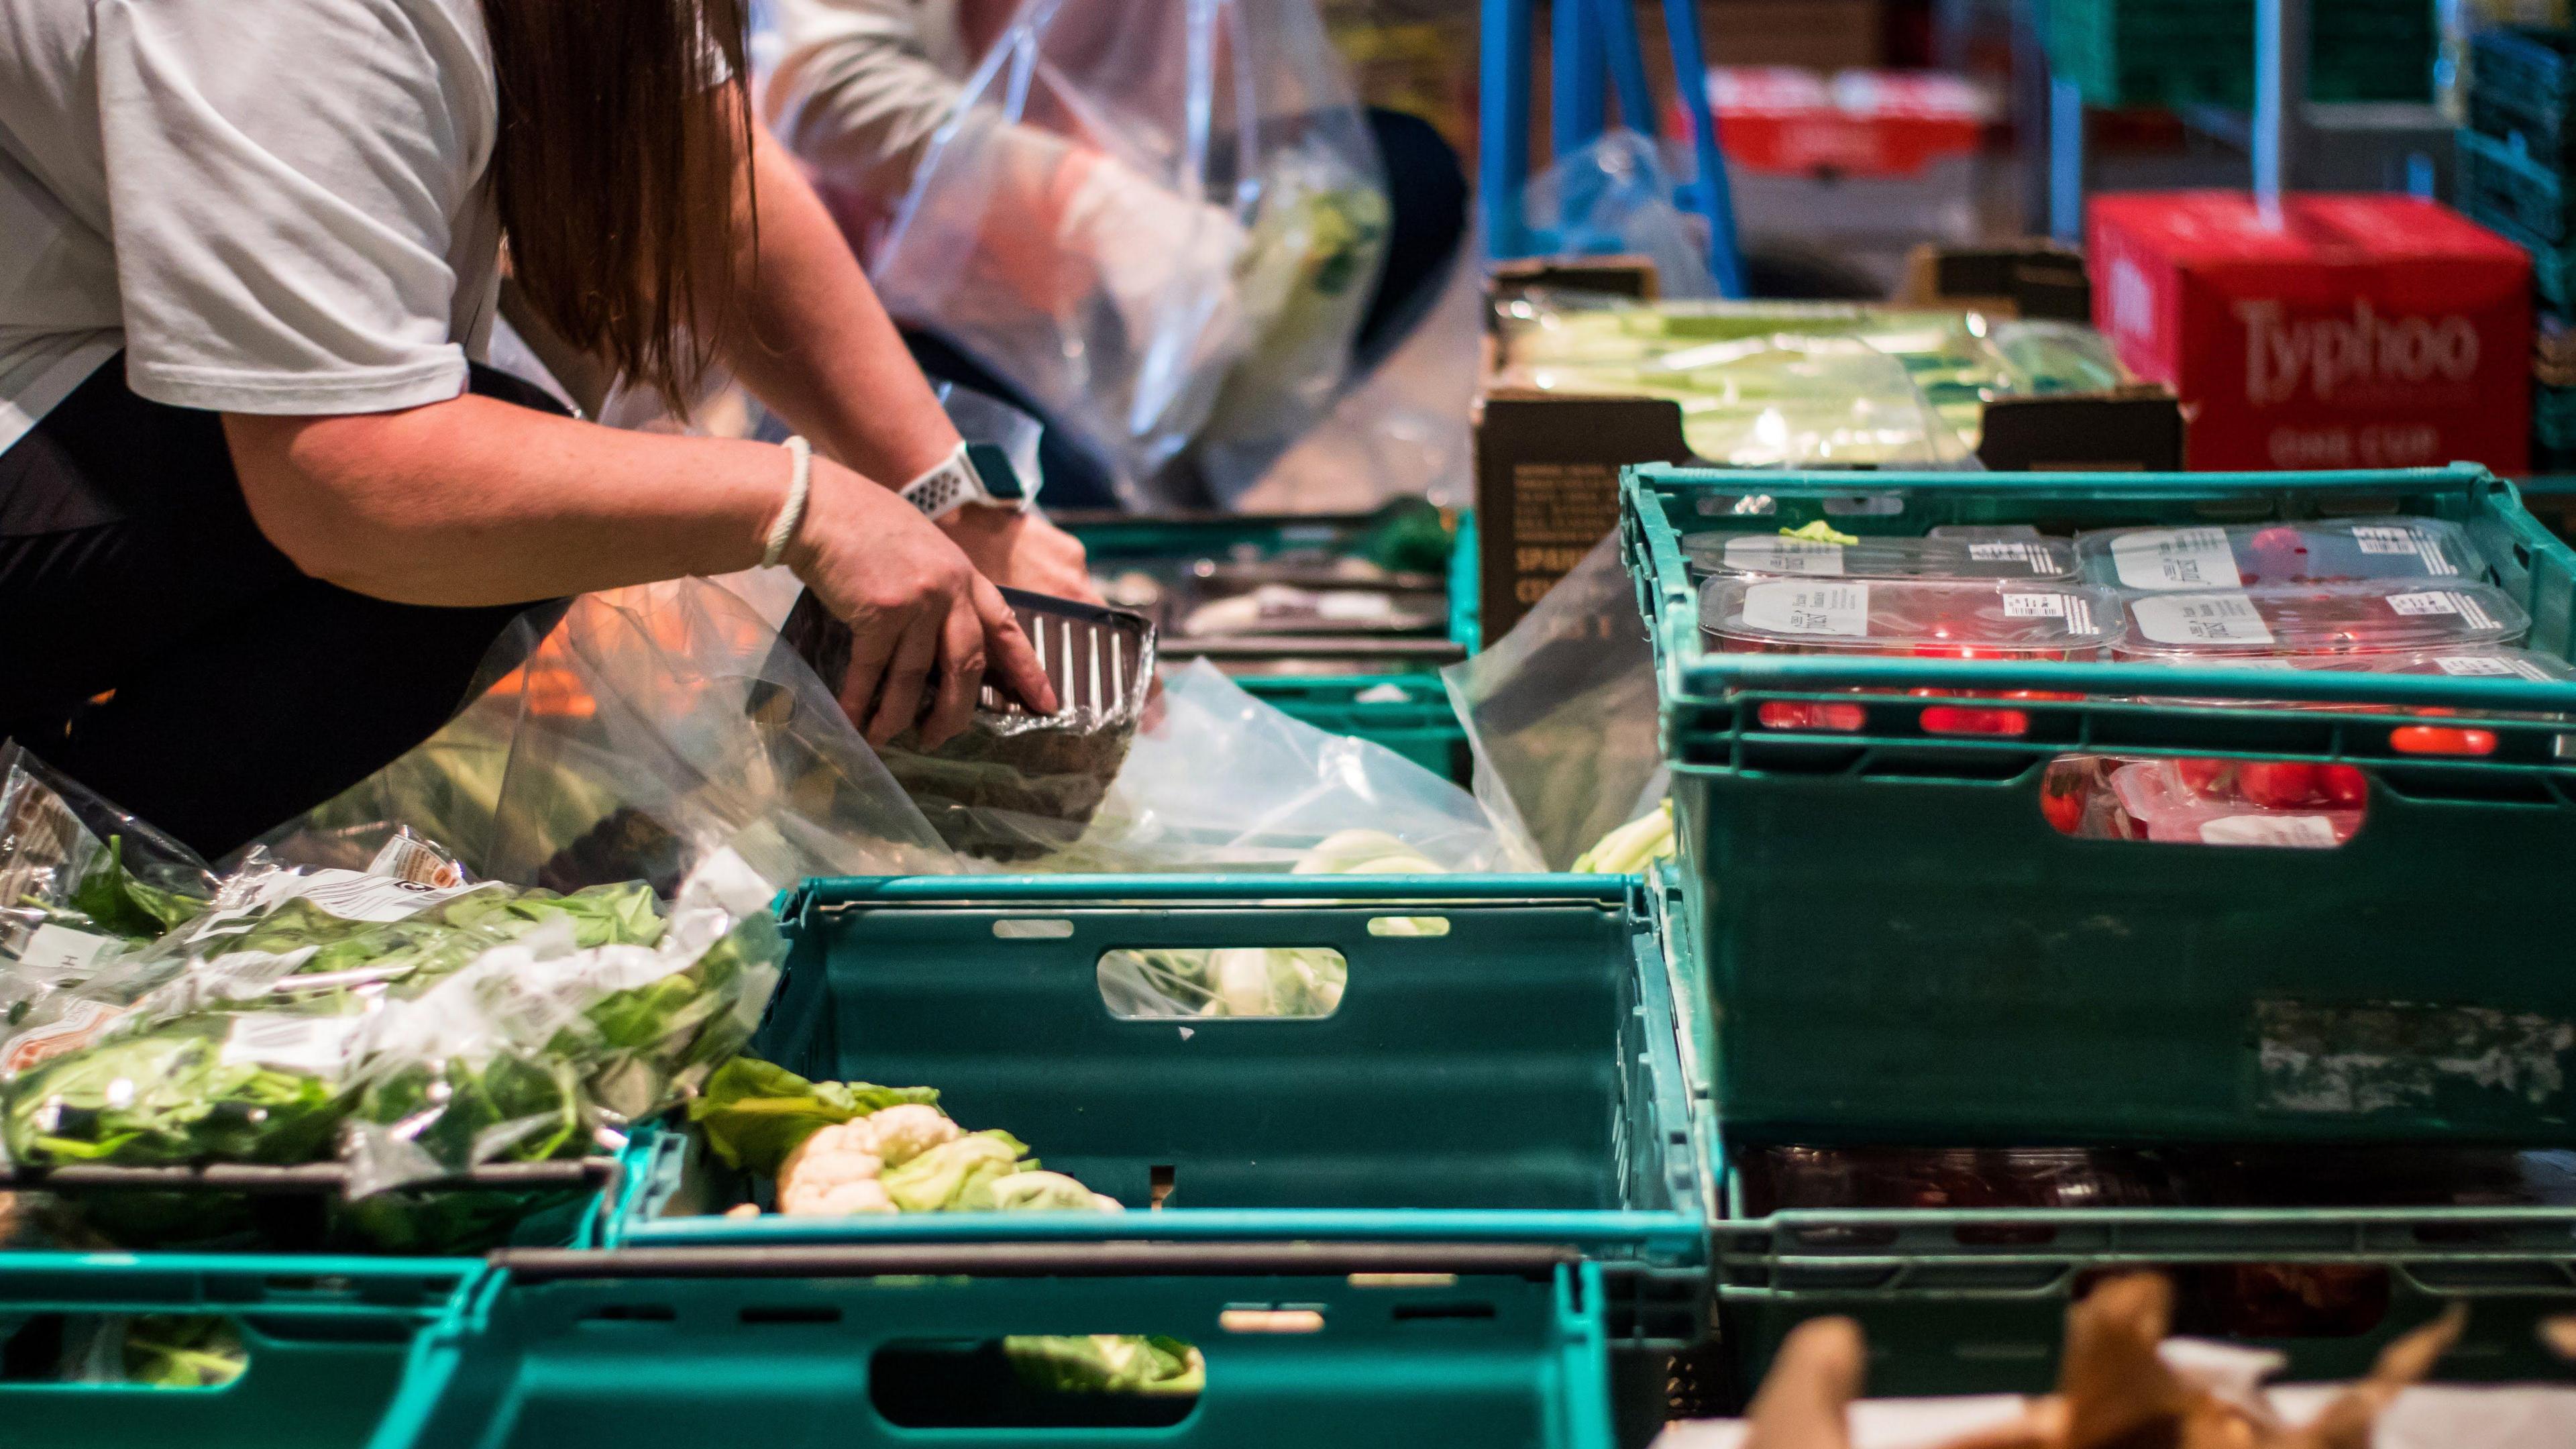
{"x":2364,"y":332}
{"x":1547,"y":465}
{"x":2037,"y":279}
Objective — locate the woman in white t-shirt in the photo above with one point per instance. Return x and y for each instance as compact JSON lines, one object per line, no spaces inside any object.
{"x":261,"y":509}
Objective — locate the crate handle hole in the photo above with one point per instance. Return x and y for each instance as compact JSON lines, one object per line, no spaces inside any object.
{"x":1160,"y":1178}
{"x":1032,"y":929}
{"x":1429,"y":1312}
{"x":632,"y":1313}
{"x":1035,"y":1381}
{"x":1408,"y":925}
{"x":1198,"y":983}
{"x":2284,"y":804}
{"x":148,"y":1352}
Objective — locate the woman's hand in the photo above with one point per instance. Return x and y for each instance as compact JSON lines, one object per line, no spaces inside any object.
{"x":1022,"y":550}
{"x":923,"y":622}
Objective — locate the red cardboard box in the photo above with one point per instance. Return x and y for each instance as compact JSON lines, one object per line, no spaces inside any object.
{"x":2364,"y":332}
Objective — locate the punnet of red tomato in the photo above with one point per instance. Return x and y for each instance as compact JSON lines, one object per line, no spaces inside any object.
{"x":2012,"y":556}
{"x":2277,"y":555}
{"x":1919,"y":618}
{"x":2379,"y":616}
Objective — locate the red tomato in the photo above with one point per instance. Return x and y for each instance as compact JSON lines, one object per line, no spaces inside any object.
{"x":2435,"y":740}
{"x":2277,"y":783}
{"x":2064,"y":811}
{"x":2343,"y":785}
{"x":1784,"y":715}
{"x":2204,"y":777}
{"x":1953,"y":719}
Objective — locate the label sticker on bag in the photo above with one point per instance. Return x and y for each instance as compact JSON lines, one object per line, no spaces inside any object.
{"x":80,"y":1025}
{"x":58,"y":953}
{"x":318,"y":1045}
{"x":2201,"y":619}
{"x":1809,"y":556}
{"x":2303,"y":832}
{"x":2174,"y":558}
{"x":2485,"y":666}
{"x":2075,"y":609}
{"x":1793,"y":608}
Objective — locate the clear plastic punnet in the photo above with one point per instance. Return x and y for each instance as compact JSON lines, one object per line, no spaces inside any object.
{"x":2389,"y":616}
{"x":2267,"y":555}
{"x":1931,"y":618}
{"x":1745,"y":553}
{"x":2182,"y":801}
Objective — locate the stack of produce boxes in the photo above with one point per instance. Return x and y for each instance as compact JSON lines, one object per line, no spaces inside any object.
{"x":2068,"y":874}
{"x":2513,"y":166}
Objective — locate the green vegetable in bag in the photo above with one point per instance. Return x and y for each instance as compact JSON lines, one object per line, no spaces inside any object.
{"x":1107,"y":1363}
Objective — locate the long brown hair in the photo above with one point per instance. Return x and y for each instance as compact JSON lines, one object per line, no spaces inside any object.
{"x":622,"y":174}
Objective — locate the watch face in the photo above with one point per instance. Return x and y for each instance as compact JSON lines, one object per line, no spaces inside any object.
{"x":993,"y":465}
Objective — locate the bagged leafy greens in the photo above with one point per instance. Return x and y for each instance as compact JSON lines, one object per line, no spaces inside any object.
{"x":416,"y":1031}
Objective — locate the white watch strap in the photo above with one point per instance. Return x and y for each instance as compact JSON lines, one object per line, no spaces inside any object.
{"x":949,"y":486}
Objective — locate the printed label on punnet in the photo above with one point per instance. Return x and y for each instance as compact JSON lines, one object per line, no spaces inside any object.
{"x":1794,"y":608}
{"x":79,"y":1025}
{"x":2388,"y":538}
{"x":2486,"y":666}
{"x":2174,"y":558}
{"x":2306,"y":832}
{"x":2073,"y":608}
{"x":2033,"y":556}
{"x":2201,"y":619}
{"x":1785,"y":556}
{"x":2442,"y":601}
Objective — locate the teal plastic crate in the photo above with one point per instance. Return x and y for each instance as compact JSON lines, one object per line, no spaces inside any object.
{"x":829,"y":1348}
{"x":1901,"y":949}
{"x":2180,"y":52}
{"x":1514,"y":1079}
{"x":327,"y":1342}
{"x":1975,"y":1302}
{"x":1408,"y":713}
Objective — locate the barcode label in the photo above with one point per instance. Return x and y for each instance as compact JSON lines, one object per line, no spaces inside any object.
{"x":2490,"y":666}
{"x":2201,"y":619}
{"x":2174,"y":558}
{"x":2442,"y":601}
{"x":2302,"y":832}
{"x":1841,"y":610}
{"x":2033,"y":556}
{"x":318,"y":1045}
{"x":2386,"y":540}
{"x":2073,"y":608}
{"x":1806,"y":556}
{"x":353,"y":896}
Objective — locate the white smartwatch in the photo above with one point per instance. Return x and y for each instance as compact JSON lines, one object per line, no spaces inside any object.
{"x":975,"y":473}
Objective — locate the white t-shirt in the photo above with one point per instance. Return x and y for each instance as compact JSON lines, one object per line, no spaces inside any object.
{"x":274,"y":206}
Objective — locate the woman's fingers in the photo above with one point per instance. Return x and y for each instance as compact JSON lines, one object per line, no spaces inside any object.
{"x":1008,"y":654}
{"x":961,"y":675}
{"x":906,"y":675}
{"x":871,"y":646}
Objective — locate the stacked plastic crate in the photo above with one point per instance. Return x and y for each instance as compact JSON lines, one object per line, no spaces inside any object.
{"x":2184,"y":52}
{"x":2514,"y":161}
{"x":2080,"y":910}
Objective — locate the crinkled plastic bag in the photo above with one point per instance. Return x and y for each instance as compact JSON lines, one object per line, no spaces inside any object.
{"x":1561,"y":714}
{"x":647,"y":729}
{"x":1209,"y":275}
{"x":79,"y":878}
{"x":1614,"y":196}
{"x":1227,"y":782}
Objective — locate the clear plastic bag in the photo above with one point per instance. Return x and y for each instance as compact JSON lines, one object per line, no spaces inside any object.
{"x":1155,"y":217}
{"x":1560,"y":714}
{"x":645,"y":730}
{"x":1225,"y":782}
{"x":1614,"y":196}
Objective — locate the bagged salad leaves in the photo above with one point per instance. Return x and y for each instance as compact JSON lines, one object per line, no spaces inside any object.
{"x":81,"y":884}
{"x":413,"y":1030}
